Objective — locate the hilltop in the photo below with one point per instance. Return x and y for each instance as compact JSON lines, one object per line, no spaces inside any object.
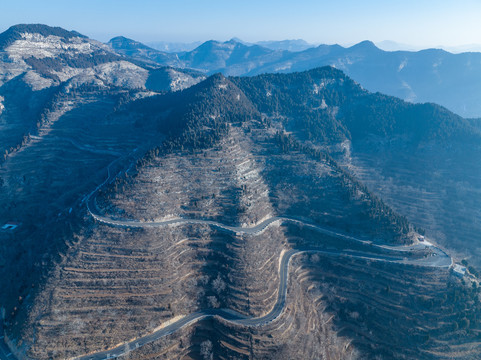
{"x":235,"y":151}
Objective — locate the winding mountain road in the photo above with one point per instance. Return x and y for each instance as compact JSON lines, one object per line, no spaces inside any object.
{"x":276,"y":311}
{"x":399,"y":255}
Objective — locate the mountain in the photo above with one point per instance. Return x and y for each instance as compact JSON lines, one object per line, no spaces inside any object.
{"x":39,"y":64}
{"x":416,"y":156}
{"x":289,"y":45}
{"x":279,"y":216}
{"x":425,"y":76}
{"x":46,"y":56}
{"x":133,"y":48}
{"x":347,"y":112}
{"x":432,"y":75}
{"x":177,"y":47}
{"x":57,"y":91}
{"x":18,"y":32}
{"x":139,"y":210}
{"x":230,"y":57}
{"x":173,"y":47}
{"x":451,"y":80}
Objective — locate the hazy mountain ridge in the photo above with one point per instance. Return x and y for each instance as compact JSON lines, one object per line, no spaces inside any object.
{"x":289,"y":45}
{"x":178,"y":47}
{"x":133,"y":48}
{"x":432,"y":75}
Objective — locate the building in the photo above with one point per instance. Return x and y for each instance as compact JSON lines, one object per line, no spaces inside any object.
{"x":459,"y":270}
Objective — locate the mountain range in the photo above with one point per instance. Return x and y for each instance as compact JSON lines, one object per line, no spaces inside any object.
{"x":451,"y":80}
{"x":146,"y":195}
{"x":291,"y":45}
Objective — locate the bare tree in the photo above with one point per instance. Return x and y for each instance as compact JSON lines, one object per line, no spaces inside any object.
{"x":206,"y":350}
{"x":218,"y":285}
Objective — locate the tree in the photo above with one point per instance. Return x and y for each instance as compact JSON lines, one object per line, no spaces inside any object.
{"x":206,"y":350}
{"x":218,"y":285}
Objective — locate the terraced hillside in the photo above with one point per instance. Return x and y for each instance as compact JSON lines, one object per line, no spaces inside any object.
{"x":60,"y":98}
{"x":225,"y":161}
{"x":39,"y":62}
{"x":101,"y":150}
{"x":45,"y":180}
{"x":435,"y":186}
{"x":421,"y":159}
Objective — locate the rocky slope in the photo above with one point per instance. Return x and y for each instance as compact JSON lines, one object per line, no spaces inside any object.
{"x":39,"y":63}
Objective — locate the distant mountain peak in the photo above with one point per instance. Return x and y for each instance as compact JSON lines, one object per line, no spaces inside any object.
{"x":215,"y":79}
{"x":233,"y":42}
{"x":211,"y":43}
{"x":120,"y":41}
{"x":294,"y":45}
{"x":120,"y":38}
{"x":365,"y":45}
{"x":237,"y":40}
{"x":16,"y":33}
{"x":135,"y":49}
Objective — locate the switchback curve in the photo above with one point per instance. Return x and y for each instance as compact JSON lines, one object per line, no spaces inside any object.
{"x":439,"y":259}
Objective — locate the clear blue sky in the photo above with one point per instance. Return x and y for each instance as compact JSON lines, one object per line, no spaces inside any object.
{"x":417,"y":22}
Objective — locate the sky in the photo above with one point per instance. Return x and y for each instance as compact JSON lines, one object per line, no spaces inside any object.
{"x":419,"y":23}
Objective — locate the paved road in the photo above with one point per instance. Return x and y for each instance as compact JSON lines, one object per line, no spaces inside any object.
{"x":439,"y":257}
{"x":398,"y":254}
{"x":235,"y":317}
